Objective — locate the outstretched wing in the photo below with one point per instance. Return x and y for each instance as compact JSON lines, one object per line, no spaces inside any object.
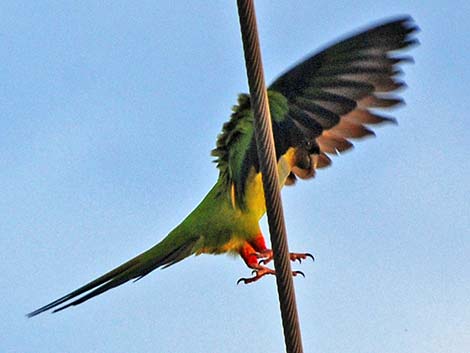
{"x":320,"y":103}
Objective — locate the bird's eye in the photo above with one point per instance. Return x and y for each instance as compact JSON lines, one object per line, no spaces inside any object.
{"x":311,"y":147}
{"x":308,"y":144}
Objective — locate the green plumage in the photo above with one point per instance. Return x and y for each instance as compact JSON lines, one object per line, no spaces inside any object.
{"x":236,"y":146}
{"x":315,"y":106}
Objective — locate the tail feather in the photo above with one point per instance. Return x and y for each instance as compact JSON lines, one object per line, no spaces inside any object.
{"x":135,"y":268}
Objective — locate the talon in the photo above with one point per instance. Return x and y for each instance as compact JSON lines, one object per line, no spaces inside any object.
{"x":263,"y":271}
{"x":242,"y":280}
{"x":267,"y":256}
{"x":266,"y":260}
{"x":257,"y":274}
{"x":300,"y":257}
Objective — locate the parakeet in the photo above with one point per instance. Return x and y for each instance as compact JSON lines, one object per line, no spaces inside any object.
{"x":316,"y":106}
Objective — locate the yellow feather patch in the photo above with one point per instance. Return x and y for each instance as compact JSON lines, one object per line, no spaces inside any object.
{"x":232,"y":195}
{"x":254,"y":194}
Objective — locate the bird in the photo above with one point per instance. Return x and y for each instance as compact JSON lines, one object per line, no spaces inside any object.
{"x":316,"y":106}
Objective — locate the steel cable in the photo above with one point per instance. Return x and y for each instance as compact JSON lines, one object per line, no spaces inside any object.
{"x":268,"y":167}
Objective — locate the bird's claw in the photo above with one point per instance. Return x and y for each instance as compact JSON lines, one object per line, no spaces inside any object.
{"x":300,"y":257}
{"x":266,"y":257}
{"x":244,"y":280}
{"x":263,"y":261}
{"x":293,"y":257}
{"x":258,"y":273}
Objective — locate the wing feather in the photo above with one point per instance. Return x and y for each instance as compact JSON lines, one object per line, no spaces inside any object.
{"x":321,"y":103}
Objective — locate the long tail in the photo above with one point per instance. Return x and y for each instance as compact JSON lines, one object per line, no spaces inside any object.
{"x":164,"y":254}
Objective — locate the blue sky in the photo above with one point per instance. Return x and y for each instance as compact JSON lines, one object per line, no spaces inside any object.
{"x":109,"y":111}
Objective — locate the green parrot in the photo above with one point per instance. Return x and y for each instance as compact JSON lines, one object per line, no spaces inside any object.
{"x":316,"y":106}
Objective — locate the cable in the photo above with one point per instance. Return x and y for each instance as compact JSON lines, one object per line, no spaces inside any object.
{"x":268,"y":167}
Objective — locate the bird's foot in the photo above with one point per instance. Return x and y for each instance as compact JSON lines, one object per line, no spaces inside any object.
{"x":263,"y":271}
{"x":265,"y":255}
{"x":258,"y":273}
{"x":268,"y":256}
{"x":300,"y":256}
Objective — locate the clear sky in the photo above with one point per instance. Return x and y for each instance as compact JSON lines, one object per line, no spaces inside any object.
{"x":108,"y":113}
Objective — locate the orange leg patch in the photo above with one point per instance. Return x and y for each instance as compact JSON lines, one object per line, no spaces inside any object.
{"x":254,"y":250}
{"x":259,"y":244}
{"x":249,"y":255}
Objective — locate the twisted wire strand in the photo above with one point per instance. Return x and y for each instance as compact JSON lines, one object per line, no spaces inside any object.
{"x":268,"y":167}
